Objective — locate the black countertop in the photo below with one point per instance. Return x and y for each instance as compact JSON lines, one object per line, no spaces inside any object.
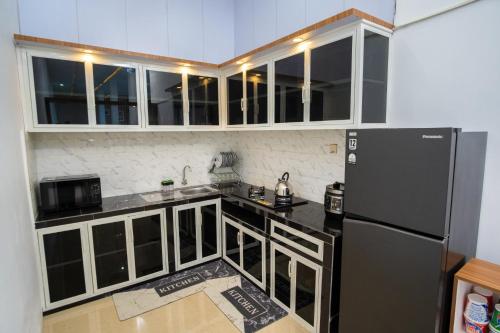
{"x":310,"y":215}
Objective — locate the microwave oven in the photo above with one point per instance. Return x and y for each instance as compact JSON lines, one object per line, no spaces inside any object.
{"x":70,"y":192}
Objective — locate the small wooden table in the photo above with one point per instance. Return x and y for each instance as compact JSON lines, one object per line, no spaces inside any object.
{"x":475,"y":273}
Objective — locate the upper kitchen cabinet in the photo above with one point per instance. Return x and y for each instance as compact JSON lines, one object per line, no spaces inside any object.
{"x":331,"y":84}
{"x":115,"y":95}
{"x":164,"y":91}
{"x":203,"y":100}
{"x":333,"y":74}
{"x":290,"y":89}
{"x":58,"y":91}
{"x":247,"y":97}
{"x":375,"y":69}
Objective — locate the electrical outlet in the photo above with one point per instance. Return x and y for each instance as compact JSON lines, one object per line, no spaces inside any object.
{"x":333,"y":148}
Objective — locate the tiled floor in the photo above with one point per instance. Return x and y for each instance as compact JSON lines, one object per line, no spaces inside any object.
{"x":195,"y":313}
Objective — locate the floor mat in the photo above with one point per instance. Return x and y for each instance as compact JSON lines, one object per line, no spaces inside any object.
{"x":245,"y":305}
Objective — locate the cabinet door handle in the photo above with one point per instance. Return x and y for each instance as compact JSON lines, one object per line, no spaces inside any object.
{"x":238,"y":238}
{"x":242,"y":105}
{"x":290,"y":269}
{"x":304,"y":93}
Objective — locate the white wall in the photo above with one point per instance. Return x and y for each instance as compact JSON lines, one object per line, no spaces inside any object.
{"x":258,"y":22}
{"x":137,"y":162}
{"x":20,"y":309}
{"x":446,"y":72}
{"x":190,"y":29}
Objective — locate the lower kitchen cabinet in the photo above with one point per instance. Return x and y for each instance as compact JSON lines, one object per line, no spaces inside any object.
{"x":296,"y":285}
{"x":65,"y":264}
{"x":245,"y":250}
{"x":127,"y":248}
{"x":110,"y":254}
{"x":196,"y":233}
{"x":149,"y":244}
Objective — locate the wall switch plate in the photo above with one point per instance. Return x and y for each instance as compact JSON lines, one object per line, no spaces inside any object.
{"x":333,"y":148}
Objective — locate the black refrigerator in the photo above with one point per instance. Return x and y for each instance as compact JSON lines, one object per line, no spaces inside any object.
{"x":412,"y":205}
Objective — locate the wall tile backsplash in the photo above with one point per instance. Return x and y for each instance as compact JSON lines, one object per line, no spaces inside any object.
{"x":137,"y":162}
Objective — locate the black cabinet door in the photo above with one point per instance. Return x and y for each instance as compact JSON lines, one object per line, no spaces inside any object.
{"x":256,"y":81}
{"x":187,"y":235}
{"x":115,"y":92}
{"x":148,"y":251}
{"x":252,"y":256}
{"x":64,"y":264}
{"x":110,"y":253}
{"x":331,"y":77}
{"x":288,"y":91}
{"x":209,"y":239}
{"x":164,"y":93}
{"x":234,"y":99}
{"x":60,"y":91}
{"x":232,"y":246}
{"x":281,"y":277}
{"x":203,"y":93}
{"x":305,"y":292}
{"x":375,"y":67}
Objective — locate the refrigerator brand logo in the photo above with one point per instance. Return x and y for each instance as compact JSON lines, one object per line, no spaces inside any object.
{"x":426,"y":136}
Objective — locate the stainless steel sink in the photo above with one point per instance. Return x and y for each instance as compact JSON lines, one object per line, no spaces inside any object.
{"x":157,"y":196}
{"x":177,"y":194}
{"x":196,"y":190}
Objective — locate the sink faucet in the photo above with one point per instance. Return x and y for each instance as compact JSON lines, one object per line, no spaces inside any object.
{"x":184,"y":180}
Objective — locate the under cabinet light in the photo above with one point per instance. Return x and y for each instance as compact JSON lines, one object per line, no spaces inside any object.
{"x":297,"y":40}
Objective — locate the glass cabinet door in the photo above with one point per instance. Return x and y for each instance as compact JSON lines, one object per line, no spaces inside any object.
{"x":252,"y":256}
{"x":110,"y":253}
{"x":115,"y":92}
{"x":60,"y":92}
{"x":187,"y":235}
{"x":64,"y":265}
{"x":148,"y":251}
{"x":232,"y":245}
{"x":256,"y":84}
{"x":203,"y":94}
{"x":209,"y":239}
{"x":375,"y":64}
{"x":331,"y":78}
{"x":281,"y":277}
{"x":305,"y":292}
{"x":235,"y":99}
{"x":288,"y":89}
{"x":164,"y":93}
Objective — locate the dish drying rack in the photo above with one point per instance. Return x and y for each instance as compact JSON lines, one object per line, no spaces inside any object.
{"x":222,"y":169}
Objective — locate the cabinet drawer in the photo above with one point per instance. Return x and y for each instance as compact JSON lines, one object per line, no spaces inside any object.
{"x":297,"y":239}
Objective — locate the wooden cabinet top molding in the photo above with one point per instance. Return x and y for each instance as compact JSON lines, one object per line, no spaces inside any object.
{"x":346,"y":16}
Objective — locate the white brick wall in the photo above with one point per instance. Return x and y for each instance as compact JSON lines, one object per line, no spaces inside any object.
{"x":136,"y":162}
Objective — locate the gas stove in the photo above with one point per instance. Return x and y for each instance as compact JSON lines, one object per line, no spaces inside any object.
{"x":260,"y":195}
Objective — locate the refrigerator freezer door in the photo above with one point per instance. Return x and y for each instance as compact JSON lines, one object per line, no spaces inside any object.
{"x":392,"y":281}
{"x":401,"y":177}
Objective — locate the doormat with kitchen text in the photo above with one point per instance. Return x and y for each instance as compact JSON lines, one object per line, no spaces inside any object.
{"x":244,"y":304}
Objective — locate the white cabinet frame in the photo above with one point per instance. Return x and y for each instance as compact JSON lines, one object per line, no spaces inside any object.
{"x":244,"y":100}
{"x":164,"y":248}
{"x":241,"y":231}
{"x":198,"y":222}
{"x":354,"y":29}
{"x":319,"y":243}
{"x":294,"y":258}
{"x":28,"y":87}
{"x":360,"y":41}
{"x":127,"y":219}
{"x":163,"y":69}
{"x":139,"y":91}
{"x":82,"y":227}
